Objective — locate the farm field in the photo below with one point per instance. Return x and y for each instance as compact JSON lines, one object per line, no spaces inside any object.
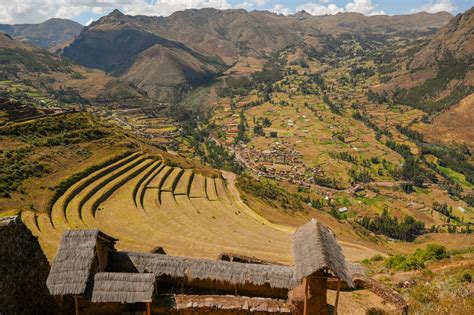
{"x":146,"y":204}
{"x":316,"y":131}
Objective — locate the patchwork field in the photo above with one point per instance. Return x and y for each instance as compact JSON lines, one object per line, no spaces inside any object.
{"x":145,"y":203}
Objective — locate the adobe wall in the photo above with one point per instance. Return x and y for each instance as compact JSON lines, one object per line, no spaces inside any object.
{"x":23,"y":271}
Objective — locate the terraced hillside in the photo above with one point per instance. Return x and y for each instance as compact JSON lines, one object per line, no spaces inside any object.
{"x":145,"y":203}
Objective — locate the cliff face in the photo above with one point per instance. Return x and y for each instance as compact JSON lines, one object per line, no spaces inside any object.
{"x":23,"y":271}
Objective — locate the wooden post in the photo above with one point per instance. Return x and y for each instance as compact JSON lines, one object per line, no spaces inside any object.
{"x":148,"y":308}
{"x":61,"y":304}
{"x":305,"y":310}
{"x":316,"y":294}
{"x":337,"y":296}
{"x":76,"y":305}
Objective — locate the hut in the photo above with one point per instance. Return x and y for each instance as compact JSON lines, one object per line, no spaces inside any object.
{"x":318,"y":257}
{"x":81,"y":253}
{"x":119,"y":287}
{"x":96,"y":279}
{"x":79,"y":271}
{"x":209,"y":276}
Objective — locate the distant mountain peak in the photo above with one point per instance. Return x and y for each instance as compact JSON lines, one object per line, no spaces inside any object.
{"x":116,"y":13}
{"x":302,"y":14}
{"x":47,"y":34}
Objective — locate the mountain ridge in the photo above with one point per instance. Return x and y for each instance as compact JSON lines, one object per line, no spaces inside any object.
{"x":47,"y":34}
{"x":216,"y":39}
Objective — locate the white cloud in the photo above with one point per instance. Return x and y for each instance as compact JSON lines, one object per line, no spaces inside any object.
{"x":167,"y":7}
{"x":362,"y":6}
{"x":281,"y":9}
{"x":89,"y":21}
{"x":36,"y":11}
{"x":436,"y":6}
{"x":319,"y":9}
{"x":250,"y":4}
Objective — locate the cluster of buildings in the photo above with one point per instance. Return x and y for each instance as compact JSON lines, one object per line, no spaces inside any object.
{"x":88,"y":275}
{"x":280,"y":161}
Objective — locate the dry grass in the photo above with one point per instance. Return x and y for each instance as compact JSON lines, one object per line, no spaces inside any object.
{"x":193,"y":225}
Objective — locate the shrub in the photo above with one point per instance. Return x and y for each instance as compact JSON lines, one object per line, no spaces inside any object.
{"x":270,"y":192}
{"x":375,"y":311}
{"x":418,"y":259}
{"x":407,"y":229}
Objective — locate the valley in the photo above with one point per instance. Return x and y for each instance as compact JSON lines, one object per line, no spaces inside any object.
{"x":222,"y":131}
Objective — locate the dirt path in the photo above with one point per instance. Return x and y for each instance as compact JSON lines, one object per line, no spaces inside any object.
{"x":434,"y":267}
{"x":351,"y":251}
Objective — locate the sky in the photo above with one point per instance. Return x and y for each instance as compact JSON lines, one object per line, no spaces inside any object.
{"x":86,"y":11}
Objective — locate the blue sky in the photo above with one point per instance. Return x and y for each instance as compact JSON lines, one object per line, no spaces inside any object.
{"x":85,"y":11}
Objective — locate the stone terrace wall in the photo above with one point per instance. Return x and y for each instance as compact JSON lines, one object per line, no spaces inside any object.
{"x":23,"y":271}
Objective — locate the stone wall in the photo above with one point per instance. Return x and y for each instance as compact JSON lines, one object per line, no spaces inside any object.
{"x":23,"y":271}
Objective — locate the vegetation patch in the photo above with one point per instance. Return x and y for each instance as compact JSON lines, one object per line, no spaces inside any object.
{"x":424,"y":96}
{"x":16,"y":168}
{"x":418,"y":259}
{"x":406,"y":230}
{"x":269,"y":192}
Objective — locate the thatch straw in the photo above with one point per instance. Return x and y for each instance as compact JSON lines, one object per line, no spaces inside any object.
{"x":315,"y":248}
{"x":232,"y":273}
{"x":71,"y":268}
{"x":123,"y":287}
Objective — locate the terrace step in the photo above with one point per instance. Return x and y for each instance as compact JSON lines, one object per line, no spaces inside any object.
{"x":74,"y":208}
{"x":58,"y":213}
{"x":182,"y":187}
{"x":198,"y":187}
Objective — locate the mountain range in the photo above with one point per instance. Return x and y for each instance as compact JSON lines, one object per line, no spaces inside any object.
{"x":47,"y":34}
{"x":166,"y":55}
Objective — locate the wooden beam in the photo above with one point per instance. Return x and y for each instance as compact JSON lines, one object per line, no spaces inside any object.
{"x":305,"y":310}
{"x":337,"y":296}
{"x":76,"y":305}
{"x":148,"y":308}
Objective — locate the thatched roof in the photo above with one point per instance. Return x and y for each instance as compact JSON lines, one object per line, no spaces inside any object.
{"x":233,"y":273}
{"x":71,"y":268}
{"x":315,"y":248}
{"x":158,"y":250}
{"x":123,"y":287}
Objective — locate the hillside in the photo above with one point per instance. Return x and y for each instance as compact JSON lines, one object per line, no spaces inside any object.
{"x":356,"y":22}
{"x":454,"y":40}
{"x":54,"y":77}
{"x":439,"y":77}
{"x":131,"y":53}
{"x":47,"y":34}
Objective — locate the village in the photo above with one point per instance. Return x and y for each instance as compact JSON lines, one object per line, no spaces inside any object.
{"x":280,"y":161}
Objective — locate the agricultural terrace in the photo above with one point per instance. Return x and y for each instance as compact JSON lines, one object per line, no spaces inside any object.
{"x":145,"y":203}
